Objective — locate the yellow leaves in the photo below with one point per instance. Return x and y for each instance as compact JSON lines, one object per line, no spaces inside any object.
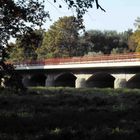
{"x":134,"y":41}
{"x":136,"y":36}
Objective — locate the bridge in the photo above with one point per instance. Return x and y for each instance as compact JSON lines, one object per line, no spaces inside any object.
{"x":102,"y":71}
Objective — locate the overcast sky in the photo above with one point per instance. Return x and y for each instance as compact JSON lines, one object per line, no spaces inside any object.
{"x":120,"y":15}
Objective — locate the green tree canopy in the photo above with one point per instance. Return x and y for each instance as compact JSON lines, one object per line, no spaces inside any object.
{"x":134,"y":40}
{"x":105,"y":42}
{"x":20,"y":17}
{"x":61,"y":39}
{"x":17,"y":17}
{"x":26,"y":46}
{"x":15,"y":53}
{"x":14,"y":16}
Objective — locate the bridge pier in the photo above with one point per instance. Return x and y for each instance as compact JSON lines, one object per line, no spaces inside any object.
{"x":49,"y":81}
{"x":80,"y":82}
{"x":25,"y":80}
{"x":81,"y":79}
{"x":120,"y":83}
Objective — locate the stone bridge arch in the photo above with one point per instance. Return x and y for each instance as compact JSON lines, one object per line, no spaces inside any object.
{"x":66,"y":79}
{"x":100,"y":80}
{"x":134,"y":82}
{"x":34,"y":80}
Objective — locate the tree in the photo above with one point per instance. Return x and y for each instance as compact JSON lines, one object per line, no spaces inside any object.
{"x":19,"y":17}
{"x":137,"y":23}
{"x":61,"y":39}
{"x":26,"y":46}
{"x":106,"y":42}
{"x":120,"y":43}
{"x":134,"y":41}
{"x":15,"y":53}
{"x":14,"y":16}
{"x":81,"y":6}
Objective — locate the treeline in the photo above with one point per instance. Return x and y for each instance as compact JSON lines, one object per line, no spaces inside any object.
{"x":63,"y":39}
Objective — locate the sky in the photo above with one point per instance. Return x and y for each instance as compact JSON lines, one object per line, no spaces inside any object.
{"x":120,"y":15}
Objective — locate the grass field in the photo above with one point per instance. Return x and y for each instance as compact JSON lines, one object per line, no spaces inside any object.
{"x":70,"y":114}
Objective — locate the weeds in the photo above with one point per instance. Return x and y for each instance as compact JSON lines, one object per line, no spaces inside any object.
{"x":72,"y":114}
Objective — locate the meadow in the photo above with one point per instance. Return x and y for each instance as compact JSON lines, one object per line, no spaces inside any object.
{"x":70,"y":114}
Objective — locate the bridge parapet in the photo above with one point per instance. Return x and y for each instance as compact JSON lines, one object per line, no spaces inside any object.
{"x":131,"y":57}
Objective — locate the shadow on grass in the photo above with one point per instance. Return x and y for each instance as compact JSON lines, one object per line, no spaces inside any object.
{"x":71,"y":114}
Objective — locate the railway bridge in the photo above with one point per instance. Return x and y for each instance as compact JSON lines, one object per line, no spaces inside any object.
{"x":106,"y":71}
